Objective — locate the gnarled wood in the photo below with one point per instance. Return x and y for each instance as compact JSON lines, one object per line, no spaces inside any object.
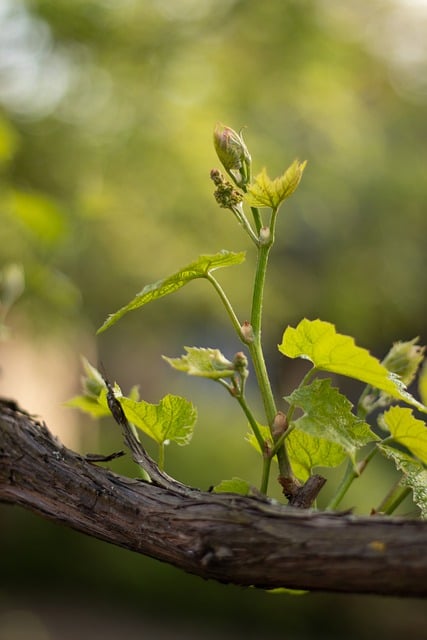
{"x":233,"y":539}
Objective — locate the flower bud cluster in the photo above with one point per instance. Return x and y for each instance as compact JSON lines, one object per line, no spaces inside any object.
{"x":227,"y":196}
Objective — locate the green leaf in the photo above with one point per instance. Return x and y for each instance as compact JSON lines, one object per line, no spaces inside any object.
{"x":306,"y":452}
{"x":407,"y":430}
{"x":173,"y":419}
{"x":204,"y":265}
{"x":422,"y":384}
{"x":207,"y":363}
{"x":265,"y":192}
{"x":235,"y":485}
{"x":414,"y":475}
{"x":89,"y":405}
{"x":318,"y":341}
{"x":328,"y":415}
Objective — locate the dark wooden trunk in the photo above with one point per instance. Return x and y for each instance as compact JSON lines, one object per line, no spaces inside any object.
{"x":230,"y":538}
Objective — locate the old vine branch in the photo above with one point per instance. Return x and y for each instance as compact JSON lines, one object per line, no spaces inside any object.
{"x":244,"y":541}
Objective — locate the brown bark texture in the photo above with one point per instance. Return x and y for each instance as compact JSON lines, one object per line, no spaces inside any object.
{"x":225,"y":537}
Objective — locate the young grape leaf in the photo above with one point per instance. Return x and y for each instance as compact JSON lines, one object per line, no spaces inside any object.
{"x":306,"y":452}
{"x":265,"y":192}
{"x":407,"y":430}
{"x":89,"y":405}
{"x":328,"y":415}
{"x":93,"y":386}
{"x":198,"y":269}
{"x":207,"y":363}
{"x":235,"y":485}
{"x":173,"y":419}
{"x":414,"y":475}
{"x":318,"y":341}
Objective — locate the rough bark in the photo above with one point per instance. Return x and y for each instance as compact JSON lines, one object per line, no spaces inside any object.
{"x":230,"y":538}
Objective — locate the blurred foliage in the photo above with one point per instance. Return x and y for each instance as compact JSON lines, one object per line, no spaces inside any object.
{"x":107,"y":109}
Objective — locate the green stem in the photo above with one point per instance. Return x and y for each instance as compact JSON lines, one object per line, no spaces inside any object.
{"x":161,"y":460}
{"x":266,"y":465}
{"x":255,"y":347}
{"x":257,"y":218}
{"x":352,"y":472}
{"x":393,"y":499}
{"x":253,"y":423}
{"x":228,"y":306}
{"x":242,"y":219}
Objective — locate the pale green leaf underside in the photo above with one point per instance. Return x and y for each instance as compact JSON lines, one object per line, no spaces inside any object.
{"x":328,"y":415}
{"x":414,"y":475}
{"x":198,"y":269}
{"x":407,"y":430}
{"x":235,"y":485}
{"x":206,"y":363}
{"x":173,"y":419}
{"x":318,"y":341}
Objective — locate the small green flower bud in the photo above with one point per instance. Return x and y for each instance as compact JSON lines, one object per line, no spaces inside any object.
{"x":233,"y":154}
{"x":404,"y":358}
{"x":240,"y":363}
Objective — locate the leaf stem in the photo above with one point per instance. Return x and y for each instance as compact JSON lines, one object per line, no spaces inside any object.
{"x":352,"y":472}
{"x":253,"y":423}
{"x":392,"y":500}
{"x":161,"y":460}
{"x":227,"y":305}
{"x":257,"y":218}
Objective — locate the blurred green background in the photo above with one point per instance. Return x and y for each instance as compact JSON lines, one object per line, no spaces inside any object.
{"x":106,"y":115}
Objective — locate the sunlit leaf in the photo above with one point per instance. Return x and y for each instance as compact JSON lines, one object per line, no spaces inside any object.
{"x":414,"y":475}
{"x":89,"y":405}
{"x":328,"y":415}
{"x":173,"y":419}
{"x":407,"y":430}
{"x":198,"y":269}
{"x":307,"y":452}
{"x":318,"y":341}
{"x":265,"y":192}
{"x":207,"y":363}
{"x":235,"y":485}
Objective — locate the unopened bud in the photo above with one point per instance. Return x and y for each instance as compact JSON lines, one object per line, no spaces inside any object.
{"x":240,"y":363}
{"x":404,"y":358}
{"x":247,"y":332}
{"x":280,"y":425}
{"x":233,"y":154}
{"x":264,"y":235}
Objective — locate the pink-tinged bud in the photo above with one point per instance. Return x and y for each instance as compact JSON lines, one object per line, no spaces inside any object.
{"x":264,"y":235}
{"x":280,"y":425}
{"x":233,"y":154}
{"x":247,"y":332}
{"x":240,"y":363}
